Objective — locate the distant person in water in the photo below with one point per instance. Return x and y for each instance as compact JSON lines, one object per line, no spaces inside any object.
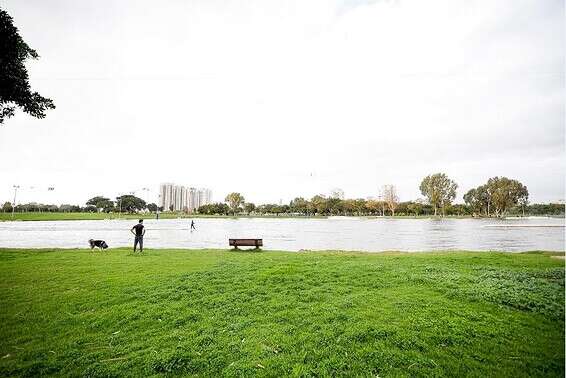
{"x":193,"y":225}
{"x":139,"y":231}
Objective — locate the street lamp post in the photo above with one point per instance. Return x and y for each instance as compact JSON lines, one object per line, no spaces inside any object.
{"x":148,"y":192}
{"x":143,"y":195}
{"x":16,"y":187}
{"x":119,"y":206}
{"x":145,"y":190}
{"x":157,"y":209}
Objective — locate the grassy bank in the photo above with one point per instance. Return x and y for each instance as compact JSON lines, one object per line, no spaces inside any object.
{"x":205,"y":312}
{"x":36,"y":216}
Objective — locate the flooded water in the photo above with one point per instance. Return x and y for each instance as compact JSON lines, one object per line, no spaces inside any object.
{"x":339,"y":233}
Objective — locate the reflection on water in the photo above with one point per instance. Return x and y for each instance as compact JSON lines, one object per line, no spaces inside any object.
{"x":342,"y":233}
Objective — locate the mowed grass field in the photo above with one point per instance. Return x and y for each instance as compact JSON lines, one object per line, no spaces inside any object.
{"x":220,"y":313}
{"x":58,"y":216}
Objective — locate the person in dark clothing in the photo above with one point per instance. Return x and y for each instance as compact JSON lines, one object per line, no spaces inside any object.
{"x":139,"y":231}
{"x":193,"y":225}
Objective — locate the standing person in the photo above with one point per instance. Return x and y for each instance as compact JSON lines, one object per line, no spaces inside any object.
{"x":193,"y":225}
{"x":138,"y":235}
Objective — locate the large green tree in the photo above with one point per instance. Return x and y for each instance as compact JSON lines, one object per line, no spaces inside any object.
{"x":505,"y":193}
{"x":439,"y":190}
{"x":414,"y":208}
{"x":497,"y":196}
{"x":7,"y":207}
{"x":299,"y":205}
{"x":101,"y":203}
{"x":320,"y":204}
{"x":479,"y":200}
{"x":390,"y":197}
{"x":374,"y":207}
{"x":249,"y":207}
{"x":349,"y":206}
{"x":15,"y":90}
{"x":471,"y":199}
{"x":335,"y":205}
{"x":234,"y":200}
{"x":130,"y":203}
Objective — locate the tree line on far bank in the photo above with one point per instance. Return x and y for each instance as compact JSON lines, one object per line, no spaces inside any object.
{"x":126,"y":204}
{"x":362,"y":207}
{"x":499,"y":196}
{"x":359,"y":207}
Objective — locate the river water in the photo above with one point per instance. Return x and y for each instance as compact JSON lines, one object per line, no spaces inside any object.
{"x":335,"y":233}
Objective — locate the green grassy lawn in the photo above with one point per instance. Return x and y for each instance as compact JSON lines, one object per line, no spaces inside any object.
{"x":212,"y":313}
{"x":37,"y":216}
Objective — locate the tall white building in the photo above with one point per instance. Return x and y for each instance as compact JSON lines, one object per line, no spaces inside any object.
{"x":193,"y":200}
{"x":178,"y":202}
{"x":202,"y":196}
{"x":207,"y":195}
{"x":166,"y":196}
{"x":182,"y":198}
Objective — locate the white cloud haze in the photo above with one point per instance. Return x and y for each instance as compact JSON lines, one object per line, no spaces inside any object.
{"x":277,"y":99}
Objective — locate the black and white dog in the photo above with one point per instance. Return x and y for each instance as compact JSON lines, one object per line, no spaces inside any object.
{"x":101,"y":244}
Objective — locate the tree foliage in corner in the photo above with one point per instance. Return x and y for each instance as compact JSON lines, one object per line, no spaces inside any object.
{"x":15,"y":90}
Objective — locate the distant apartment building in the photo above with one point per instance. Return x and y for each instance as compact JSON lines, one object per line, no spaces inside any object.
{"x":166,"y":195}
{"x":181,"y":198}
{"x":205,"y":195}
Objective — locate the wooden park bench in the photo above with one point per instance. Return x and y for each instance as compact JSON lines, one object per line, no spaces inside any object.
{"x":245,"y":243}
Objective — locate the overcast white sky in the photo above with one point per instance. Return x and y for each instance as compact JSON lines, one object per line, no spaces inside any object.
{"x":277,"y":99}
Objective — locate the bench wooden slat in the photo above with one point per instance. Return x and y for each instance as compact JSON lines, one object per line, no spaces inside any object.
{"x":245,"y":243}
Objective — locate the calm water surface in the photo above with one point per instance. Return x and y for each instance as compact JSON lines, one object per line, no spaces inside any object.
{"x":340,"y":233}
